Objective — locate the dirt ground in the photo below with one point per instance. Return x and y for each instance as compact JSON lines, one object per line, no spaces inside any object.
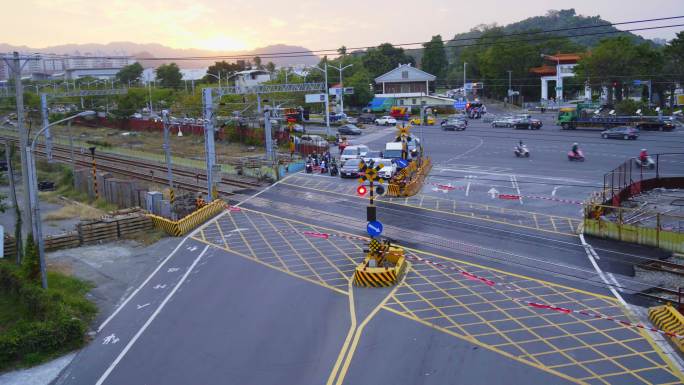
{"x":187,"y":146}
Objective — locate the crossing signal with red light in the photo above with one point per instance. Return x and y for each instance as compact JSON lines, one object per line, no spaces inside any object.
{"x":361,"y":190}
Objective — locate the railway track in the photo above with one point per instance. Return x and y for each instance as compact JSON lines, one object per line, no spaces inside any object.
{"x":142,"y":169}
{"x":665,"y":266}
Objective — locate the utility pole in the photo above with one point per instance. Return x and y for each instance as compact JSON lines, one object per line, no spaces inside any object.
{"x":16,"y":67}
{"x":13,"y":195}
{"x":464,"y":78}
{"x":167,"y":153}
{"x":267,"y":132}
{"x":209,"y":149}
{"x":46,"y":124}
{"x":509,"y":83}
{"x":340,"y":68}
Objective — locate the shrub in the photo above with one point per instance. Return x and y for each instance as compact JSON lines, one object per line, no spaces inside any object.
{"x":31,"y":262}
{"x":55,"y":319}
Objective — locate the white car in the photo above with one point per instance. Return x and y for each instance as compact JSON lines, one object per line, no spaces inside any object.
{"x":389,"y":170}
{"x":385,"y":121}
{"x":353,"y":153}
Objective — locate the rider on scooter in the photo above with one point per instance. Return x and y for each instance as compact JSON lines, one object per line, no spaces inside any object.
{"x":575,"y":149}
{"x":643,"y":156}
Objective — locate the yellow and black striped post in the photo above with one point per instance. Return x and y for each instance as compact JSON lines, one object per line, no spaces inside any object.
{"x":172,"y":196}
{"x":92,"y":154}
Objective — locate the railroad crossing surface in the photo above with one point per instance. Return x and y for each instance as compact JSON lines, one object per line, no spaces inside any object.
{"x":228,"y":282}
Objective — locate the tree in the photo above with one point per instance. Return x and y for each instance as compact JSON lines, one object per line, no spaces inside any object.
{"x":257,"y":62}
{"x":224,"y":69}
{"x":434,"y":57}
{"x":361,"y":81}
{"x":130,"y":103}
{"x":270,"y":67}
{"x":616,"y":61}
{"x":384,"y":58}
{"x":674,"y":63}
{"x":130,"y":73}
{"x":342,"y":50}
{"x":169,"y":75}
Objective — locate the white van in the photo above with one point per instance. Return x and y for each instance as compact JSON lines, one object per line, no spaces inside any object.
{"x":353,"y":153}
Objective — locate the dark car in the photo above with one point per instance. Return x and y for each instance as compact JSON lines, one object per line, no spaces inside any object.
{"x":349,"y":129}
{"x":454,"y":125}
{"x":527,"y":123}
{"x":366,"y":118}
{"x":620,"y":133}
{"x":350,"y":170}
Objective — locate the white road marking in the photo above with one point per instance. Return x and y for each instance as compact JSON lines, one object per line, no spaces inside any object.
{"x":553,"y":193}
{"x":514,"y":181}
{"x":158,"y":286}
{"x":467,"y":152}
{"x":118,"y":309}
{"x":149,"y":320}
{"x":172,"y":269}
{"x":110,"y":339}
{"x":468,"y":189}
{"x":614,"y":280}
{"x":493,"y":193}
{"x":142,"y":306}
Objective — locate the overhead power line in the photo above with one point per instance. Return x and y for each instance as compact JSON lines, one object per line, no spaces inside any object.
{"x":310,"y":53}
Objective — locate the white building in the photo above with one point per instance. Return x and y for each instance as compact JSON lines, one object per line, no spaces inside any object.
{"x":250,"y":78}
{"x":406,"y":86}
{"x":45,"y":66}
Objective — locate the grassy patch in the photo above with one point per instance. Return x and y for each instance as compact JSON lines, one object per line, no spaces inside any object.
{"x":36,"y":324}
{"x":74,"y":210}
{"x":148,"y":237}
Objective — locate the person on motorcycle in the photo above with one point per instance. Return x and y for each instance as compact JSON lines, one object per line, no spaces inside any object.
{"x":643,"y":156}
{"x":575,"y":149}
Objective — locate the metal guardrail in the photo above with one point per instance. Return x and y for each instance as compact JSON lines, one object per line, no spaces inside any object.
{"x":79,"y":93}
{"x":629,"y":173}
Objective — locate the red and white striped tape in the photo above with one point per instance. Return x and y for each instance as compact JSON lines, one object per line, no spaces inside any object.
{"x":545,"y":306}
{"x":449,"y":187}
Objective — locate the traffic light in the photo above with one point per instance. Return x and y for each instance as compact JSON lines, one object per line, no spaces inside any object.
{"x":361,"y":190}
{"x":379,"y":190}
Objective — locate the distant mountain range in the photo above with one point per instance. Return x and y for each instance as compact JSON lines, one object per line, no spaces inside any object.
{"x":154,"y":50}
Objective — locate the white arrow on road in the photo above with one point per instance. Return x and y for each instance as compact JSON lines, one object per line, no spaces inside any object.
{"x":493,"y":193}
{"x":553,"y":193}
{"x":192,"y":248}
{"x":173,"y":269}
{"x":159,"y":286}
{"x":142,"y":306}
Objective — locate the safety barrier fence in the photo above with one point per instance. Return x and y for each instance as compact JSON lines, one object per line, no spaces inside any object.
{"x":366,"y":275}
{"x":410,"y":179}
{"x":641,"y":226}
{"x":670,"y":320}
{"x":189,"y":222}
{"x":629,"y":179}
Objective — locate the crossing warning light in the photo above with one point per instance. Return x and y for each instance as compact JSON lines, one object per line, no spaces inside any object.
{"x":361,"y":190}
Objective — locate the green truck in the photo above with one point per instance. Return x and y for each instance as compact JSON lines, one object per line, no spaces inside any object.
{"x":594,"y":115}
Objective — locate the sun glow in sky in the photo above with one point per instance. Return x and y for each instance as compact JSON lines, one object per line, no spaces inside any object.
{"x":228,"y":25}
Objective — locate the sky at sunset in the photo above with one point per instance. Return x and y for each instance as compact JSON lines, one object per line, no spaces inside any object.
{"x":234,"y":25}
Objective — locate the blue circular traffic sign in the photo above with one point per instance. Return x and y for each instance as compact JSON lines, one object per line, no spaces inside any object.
{"x":374,"y":228}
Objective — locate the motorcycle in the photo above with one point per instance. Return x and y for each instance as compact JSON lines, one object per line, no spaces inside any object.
{"x":521,"y":151}
{"x":308,"y":167}
{"x":333,"y":169}
{"x":649,"y":163}
{"x":579,"y":156}
{"x":324,"y":168}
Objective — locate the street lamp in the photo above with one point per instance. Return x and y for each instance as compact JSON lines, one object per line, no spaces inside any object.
{"x":340,"y":68}
{"x":33,"y":193}
{"x":559,"y":87}
{"x":325,"y":89}
{"x":217,"y":77}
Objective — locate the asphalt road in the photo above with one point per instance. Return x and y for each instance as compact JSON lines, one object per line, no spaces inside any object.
{"x":252,"y":299}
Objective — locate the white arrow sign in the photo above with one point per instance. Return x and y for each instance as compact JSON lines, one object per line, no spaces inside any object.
{"x":493,"y":192}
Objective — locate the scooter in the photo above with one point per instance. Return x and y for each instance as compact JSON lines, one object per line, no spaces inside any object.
{"x":521,"y":151}
{"x":324,"y":168}
{"x":649,"y":163}
{"x":308,"y":167}
{"x":576,"y":157}
{"x":333,"y":169}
